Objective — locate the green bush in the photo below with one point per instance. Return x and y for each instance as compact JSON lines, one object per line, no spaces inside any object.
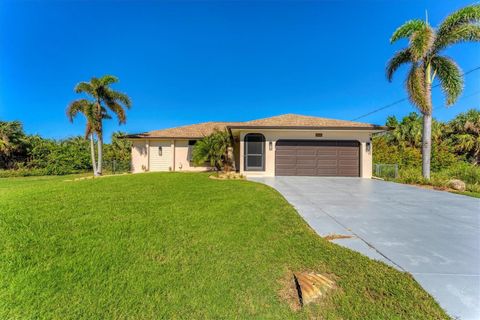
{"x":473,"y":188}
{"x":466,"y":172}
{"x":442,"y":157}
{"x":410,"y":176}
{"x":23,"y":172}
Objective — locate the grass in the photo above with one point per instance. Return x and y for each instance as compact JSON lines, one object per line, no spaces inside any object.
{"x":468,"y":193}
{"x":177,"y":246}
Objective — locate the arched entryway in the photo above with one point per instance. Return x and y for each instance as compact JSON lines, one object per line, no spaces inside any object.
{"x":254,"y":152}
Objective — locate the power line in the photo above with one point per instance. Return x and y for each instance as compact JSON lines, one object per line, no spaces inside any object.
{"x":406,"y":98}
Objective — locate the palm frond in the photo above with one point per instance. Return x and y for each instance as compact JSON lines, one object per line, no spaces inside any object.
{"x":88,"y":130}
{"x":107,"y":80}
{"x":118,"y":110}
{"x":95,"y":82}
{"x":76,"y":107}
{"x":84,"y":87}
{"x":467,"y":15}
{"x":462,"y":33}
{"x":118,"y":96}
{"x":421,"y":41}
{"x":416,"y":88}
{"x":450,"y":77}
{"x":401,"y":57}
{"x":407,"y":29}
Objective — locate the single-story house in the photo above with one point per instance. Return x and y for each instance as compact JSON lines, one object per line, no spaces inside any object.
{"x":285,"y":145}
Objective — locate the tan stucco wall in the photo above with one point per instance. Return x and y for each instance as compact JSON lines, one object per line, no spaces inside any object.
{"x":181,"y":157}
{"x":145,"y":156}
{"x":139,"y":156}
{"x":163,"y":162}
{"x":273,"y":135}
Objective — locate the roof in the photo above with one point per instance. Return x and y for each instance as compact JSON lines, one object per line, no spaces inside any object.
{"x":198,"y":131}
{"x":299,"y":122}
{"x":286,"y":121}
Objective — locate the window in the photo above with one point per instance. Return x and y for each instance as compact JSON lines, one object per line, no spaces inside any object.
{"x":254,"y":152}
{"x":191,"y":144}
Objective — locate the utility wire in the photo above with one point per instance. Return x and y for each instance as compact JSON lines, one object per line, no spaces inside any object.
{"x":406,"y":98}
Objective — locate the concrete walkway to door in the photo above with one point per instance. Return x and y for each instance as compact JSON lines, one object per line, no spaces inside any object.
{"x":433,"y":235}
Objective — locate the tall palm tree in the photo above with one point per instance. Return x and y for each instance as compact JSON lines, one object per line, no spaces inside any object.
{"x":424,"y":55}
{"x":104,"y":98}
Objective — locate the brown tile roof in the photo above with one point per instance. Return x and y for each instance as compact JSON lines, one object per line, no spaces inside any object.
{"x":283,"y":121}
{"x":298,"y":121}
{"x":199,"y":130}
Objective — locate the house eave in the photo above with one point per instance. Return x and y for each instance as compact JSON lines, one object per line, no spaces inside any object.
{"x":309,"y":128}
{"x":140,"y":137}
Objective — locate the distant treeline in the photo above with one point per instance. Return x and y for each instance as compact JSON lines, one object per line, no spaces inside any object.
{"x":23,"y":154}
{"x":454,"y":141}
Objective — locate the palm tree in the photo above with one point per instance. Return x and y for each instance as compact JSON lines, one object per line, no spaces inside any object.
{"x":423,"y":53}
{"x":213,"y":149}
{"x":10,"y":136}
{"x":104,"y":98}
{"x":12,"y":141}
{"x":88,"y":109}
{"x":466,"y":134}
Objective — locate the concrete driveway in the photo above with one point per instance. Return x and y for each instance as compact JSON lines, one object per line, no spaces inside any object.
{"x":434,"y":235}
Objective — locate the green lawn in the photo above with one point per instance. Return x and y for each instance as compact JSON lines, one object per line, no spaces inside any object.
{"x":176,"y":245}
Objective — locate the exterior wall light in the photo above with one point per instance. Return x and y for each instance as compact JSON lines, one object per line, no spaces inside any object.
{"x":160,"y":151}
{"x":369,"y":146}
{"x":270,"y":145}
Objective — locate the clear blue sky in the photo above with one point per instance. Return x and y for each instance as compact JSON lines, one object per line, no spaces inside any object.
{"x":186,"y":62}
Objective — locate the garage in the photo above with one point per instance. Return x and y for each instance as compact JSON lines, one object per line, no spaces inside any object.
{"x":317,"y":158}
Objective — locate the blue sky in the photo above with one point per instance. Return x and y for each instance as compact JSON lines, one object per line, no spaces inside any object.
{"x":187,"y":62}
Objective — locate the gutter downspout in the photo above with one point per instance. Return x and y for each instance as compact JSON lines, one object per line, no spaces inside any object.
{"x":148,"y":155}
{"x":173,"y":147}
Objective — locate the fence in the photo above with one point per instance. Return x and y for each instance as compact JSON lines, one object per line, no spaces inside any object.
{"x":116,"y":166}
{"x":383,"y":170}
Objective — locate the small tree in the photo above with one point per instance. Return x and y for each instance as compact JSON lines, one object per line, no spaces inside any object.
{"x":213,"y":149}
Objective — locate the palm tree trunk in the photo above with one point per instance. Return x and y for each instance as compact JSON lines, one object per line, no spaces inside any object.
{"x":426,"y":145}
{"x":100,"y":138}
{"x":427,"y":126}
{"x":100,"y":147}
{"x":92,"y":151}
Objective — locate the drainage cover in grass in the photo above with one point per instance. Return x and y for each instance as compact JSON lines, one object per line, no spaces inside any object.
{"x":335,"y":236}
{"x":311,"y":286}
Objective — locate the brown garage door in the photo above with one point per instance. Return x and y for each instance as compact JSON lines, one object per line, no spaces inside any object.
{"x":317,"y":158}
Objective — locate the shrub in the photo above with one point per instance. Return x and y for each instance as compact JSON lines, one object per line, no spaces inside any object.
{"x":442,"y":156}
{"x":213,"y":150}
{"x":466,"y":172}
{"x":411,"y":176}
{"x":23,"y":172}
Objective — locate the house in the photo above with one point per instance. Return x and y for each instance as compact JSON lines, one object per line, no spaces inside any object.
{"x":285,"y":145}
